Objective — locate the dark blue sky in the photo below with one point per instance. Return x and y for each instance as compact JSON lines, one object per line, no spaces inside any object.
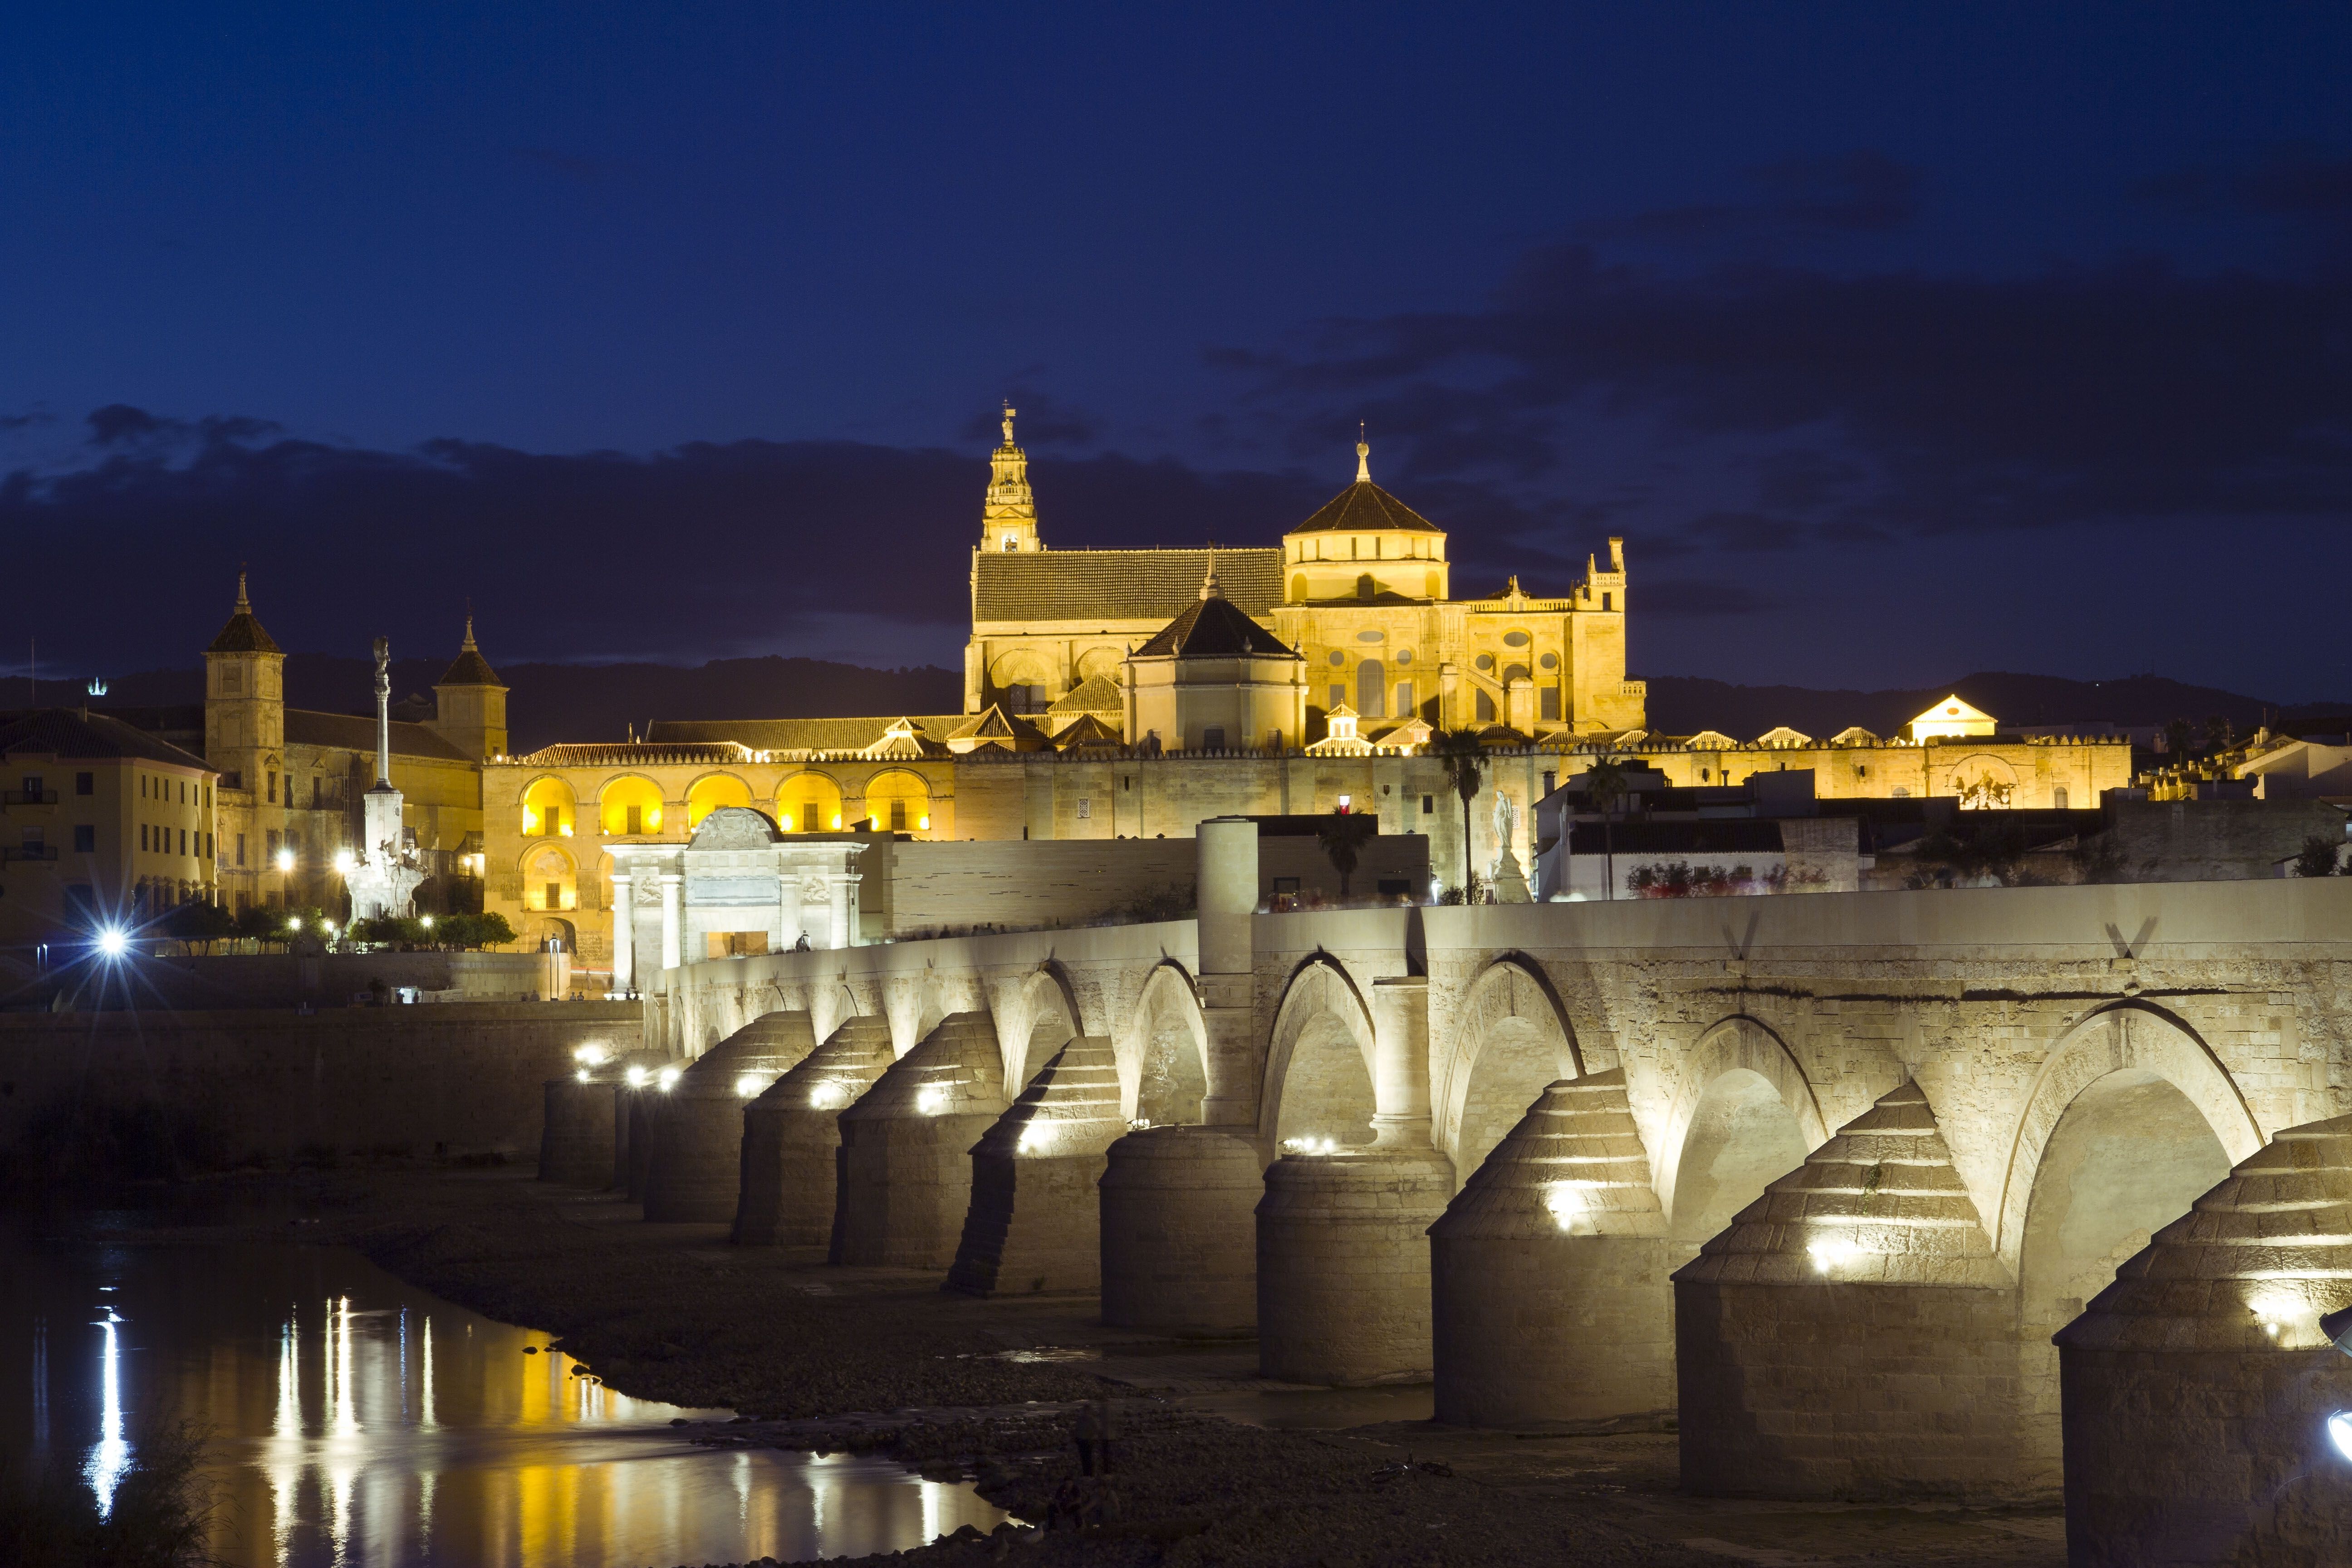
{"x":1897,"y":342}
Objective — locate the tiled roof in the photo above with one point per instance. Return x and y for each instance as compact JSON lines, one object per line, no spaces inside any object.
{"x":1365,"y":508}
{"x":796,"y":734}
{"x":243,"y":635}
{"x":994,"y":727}
{"x":630,"y":753}
{"x":68,"y":733}
{"x":1214,"y":628}
{"x":1089,"y":730}
{"x":1095,"y":694}
{"x":1116,"y":585}
{"x":356,"y":733}
{"x":469,"y":669}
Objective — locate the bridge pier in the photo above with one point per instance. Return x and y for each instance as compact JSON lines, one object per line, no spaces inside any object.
{"x":1179,"y":1252}
{"x":1548,"y":1272}
{"x":1035,"y":1221}
{"x":1342,"y":1256}
{"x":906,"y":1162}
{"x":2198,"y":1388}
{"x":695,"y":1172}
{"x":1852,"y":1333}
{"x":791,"y":1139}
{"x":576,"y":1140}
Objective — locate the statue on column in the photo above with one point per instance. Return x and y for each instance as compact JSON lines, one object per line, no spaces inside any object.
{"x":1505,"y":876}
{"x":384,"y":875}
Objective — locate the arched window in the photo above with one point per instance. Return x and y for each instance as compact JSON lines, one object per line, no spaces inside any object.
{"x":629,"y":806}
{"x":709,"y":793}
{"x":1299,"y":589}
{"x":549,"y":810}
{"x":549,"y":882}
{"x":1371,"y":689}
{"x":899,"y":801}
{"x":808,"y":802}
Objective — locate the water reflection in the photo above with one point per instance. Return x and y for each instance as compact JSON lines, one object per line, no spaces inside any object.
{"x":356,"y":1421}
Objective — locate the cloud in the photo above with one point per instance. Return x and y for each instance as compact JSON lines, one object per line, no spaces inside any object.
{"x":1893,"y":403}
{"x":2296,"y":180}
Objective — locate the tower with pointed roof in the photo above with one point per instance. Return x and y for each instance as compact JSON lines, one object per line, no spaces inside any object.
{"x":470,"y":702}
{"x":1365,"y":547}
{"x":1009,"y":517}
{"x":245,"y":706}
{"x":1212,"y":679}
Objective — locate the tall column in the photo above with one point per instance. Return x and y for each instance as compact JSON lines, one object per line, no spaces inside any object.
{"x":1226,"y":897}
{"x":788,"y":909}
{"x":1401,"y":1064}
{"x":843,"y":887}
{"x":673,"y":887}
{"x":624,"y":936}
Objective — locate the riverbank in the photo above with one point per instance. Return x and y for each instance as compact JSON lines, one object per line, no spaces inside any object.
{"x":881,"y":1361}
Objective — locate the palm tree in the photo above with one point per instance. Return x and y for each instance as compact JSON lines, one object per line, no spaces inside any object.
{"x":1343,"y":835}
{"x":1605,"y":785}
{"x":1465,"y":756}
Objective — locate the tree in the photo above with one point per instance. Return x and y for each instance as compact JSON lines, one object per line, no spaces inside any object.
{"x":1605,"y":785}
{"x":204,"y":923}
{"x":474,"y":931}
{"x":1465,"y":756}
{"x":2180,"y":737}
{"x":2318,"y":857}
{"x":1343,"y":835}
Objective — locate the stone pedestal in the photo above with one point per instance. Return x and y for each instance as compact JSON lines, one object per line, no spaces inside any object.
{"x":696,"y":1172}
{"x":792,"y":1138}
{"x":1343,"y":1265}
{"x":1547,"y":1272}
{"x":2198,"y":1388}
{"x":906,"y":1148}
{"x":576,"y":1137}
{"x":1034,"y":1222}
{"x":1851,"y":1335}
{"x":1179,"y":1232}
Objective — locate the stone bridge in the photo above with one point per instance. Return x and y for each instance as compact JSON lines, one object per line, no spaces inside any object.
{"x":1827,"y":1172}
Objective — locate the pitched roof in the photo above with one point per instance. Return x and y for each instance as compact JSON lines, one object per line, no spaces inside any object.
{"x":1363,"y":507}
{"x":1213,"y":627}
{"x":1095,"y":694}
{"x":469,"y":667}
{"x":1089,"y":731}
{"x":630,"y":753}
{"x":356,"y":733}
{"x":992,"y":726}
{"x":852,"y":734}
{"x":70,"y":733}
{"x":243,"y":634}
{"x":1115,"y":584}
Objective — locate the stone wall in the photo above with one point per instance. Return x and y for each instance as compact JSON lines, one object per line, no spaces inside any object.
{"x":210,"y":982}
{"x":460,"y":1077}
{"x":2214,"y":840}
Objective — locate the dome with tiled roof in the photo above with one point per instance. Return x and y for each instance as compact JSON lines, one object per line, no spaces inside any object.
{"x":243,"y":634}
{"x":469,"y":667}
{"x":1213,"y":627}
{"x":1365,"y":508}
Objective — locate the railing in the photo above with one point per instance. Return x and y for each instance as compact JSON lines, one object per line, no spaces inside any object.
{"x":28,"y":797}
{"x":28,"y":852}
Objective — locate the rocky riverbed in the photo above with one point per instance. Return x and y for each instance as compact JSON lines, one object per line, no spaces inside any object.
{"x":880,"y":1361}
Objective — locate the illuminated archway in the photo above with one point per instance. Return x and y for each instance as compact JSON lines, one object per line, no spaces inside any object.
{"x":548,"y":809}
{"x":1745,"y":1117}
{"x":1318,"y":1072}
{"x":1511,"y":1041}
{"x":550,"y":880}
{"x":808,"y":801}
{"x":710,"y":792}
{"x":898,"y":801}
{"x":630,"y":806}
{"x":1164,"y":1073}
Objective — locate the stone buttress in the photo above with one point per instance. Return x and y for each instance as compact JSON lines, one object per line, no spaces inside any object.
{"x":583,"y":1138}
{"x":1035,"y":1222}
{"x":2199,"y":1389}
{"x":696,"y":1169}
{"x":792,"y":1138}
{"x":906,"y":1162}
{"x":1547,"y":1272}
{"x":1850,"y":1334}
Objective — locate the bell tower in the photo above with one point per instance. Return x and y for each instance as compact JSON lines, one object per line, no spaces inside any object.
{"x":245,"y":704}
{"x":470,"y":702}
{"x":1009,"y":516}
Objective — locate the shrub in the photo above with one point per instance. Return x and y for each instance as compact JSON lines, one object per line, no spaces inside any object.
{"x":2318,"y":857}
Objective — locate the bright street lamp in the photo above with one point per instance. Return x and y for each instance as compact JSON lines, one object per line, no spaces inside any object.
{"x":112,"y":942}
{"x":343,"y":862}
{"x":286,"y":859}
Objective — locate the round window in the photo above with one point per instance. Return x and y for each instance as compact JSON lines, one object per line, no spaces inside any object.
{"x":1485,"y":661}
{"x":1371,"y":637}
{"x":1516,"y":639}
{"x":1549,"y":661}
{"x":1338,"y":657}
{"x":1404,"y":656}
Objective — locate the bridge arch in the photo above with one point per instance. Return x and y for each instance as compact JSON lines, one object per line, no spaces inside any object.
{"x":1163,"y":1068}
{"x":1746,"y":1116}
{"x":2130,"y":1120}
{"x":1511,"y":1039}
{"x":1036,"y":1015}
{"x":1319,"y":1061}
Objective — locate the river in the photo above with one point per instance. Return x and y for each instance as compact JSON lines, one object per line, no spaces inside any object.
{"x":355,"y":1420}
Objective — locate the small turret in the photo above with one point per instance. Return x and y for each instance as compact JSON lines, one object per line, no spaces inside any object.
{"x":470,"y":702}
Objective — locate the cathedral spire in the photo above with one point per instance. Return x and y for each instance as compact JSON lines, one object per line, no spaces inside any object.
{"x":1363,"y":456}
{"x":244,"y":606}
{"x":1209,"y":588}
{"x":1009,"y":516}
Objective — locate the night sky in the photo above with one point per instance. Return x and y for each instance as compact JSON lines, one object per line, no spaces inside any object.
{"x":1898,"y":342}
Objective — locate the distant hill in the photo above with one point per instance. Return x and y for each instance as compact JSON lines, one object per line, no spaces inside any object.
{"x":551,"y":702}
{"x":1680,"y":704}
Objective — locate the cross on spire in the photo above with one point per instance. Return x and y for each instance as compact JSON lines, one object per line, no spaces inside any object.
{"x":1363,"y":456}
